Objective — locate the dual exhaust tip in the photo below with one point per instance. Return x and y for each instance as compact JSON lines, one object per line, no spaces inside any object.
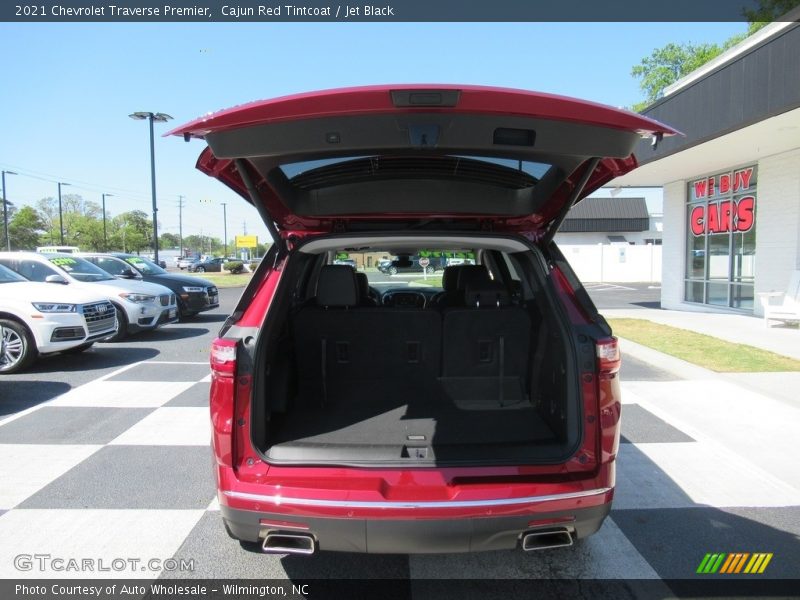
{"x":546,"y":539}
{"x":289,"y":543}
{"x":303,"y":543}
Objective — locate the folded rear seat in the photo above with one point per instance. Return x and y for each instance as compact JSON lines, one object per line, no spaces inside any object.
{"x":486,"y":350}
{"x":339,"y":346}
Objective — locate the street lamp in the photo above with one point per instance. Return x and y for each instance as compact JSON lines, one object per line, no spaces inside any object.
{"x":225,"y":225}
{"x":5,"y":208}
{"x":161,"y":118}
{"x":105,"y":236}
{"x":60,"y":214}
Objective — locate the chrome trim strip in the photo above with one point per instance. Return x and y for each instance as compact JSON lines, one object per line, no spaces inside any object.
{"x":278,"y":500}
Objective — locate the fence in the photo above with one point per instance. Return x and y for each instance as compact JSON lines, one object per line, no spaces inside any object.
{"x":617,"y":263}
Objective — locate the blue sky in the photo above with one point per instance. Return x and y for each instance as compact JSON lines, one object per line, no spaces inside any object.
{"x":68,"y":89}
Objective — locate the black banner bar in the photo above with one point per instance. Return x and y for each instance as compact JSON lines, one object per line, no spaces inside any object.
{"x":270,"y":11}
{"x":729,"y":587}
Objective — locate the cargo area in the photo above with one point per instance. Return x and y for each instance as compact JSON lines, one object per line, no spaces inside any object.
{"x":479,"y":377}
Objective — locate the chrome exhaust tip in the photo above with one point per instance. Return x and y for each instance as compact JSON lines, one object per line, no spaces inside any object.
{"x":546,"y":539}
{"x":289,"y":543}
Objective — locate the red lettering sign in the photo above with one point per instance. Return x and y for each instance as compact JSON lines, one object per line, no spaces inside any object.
{"x":725,"y":216}
{"x":741,"y":179}
{"x":700,"y":188}
{"x":745,"y":214}
{"x":725,"y":183}
{"x":698,"y":220}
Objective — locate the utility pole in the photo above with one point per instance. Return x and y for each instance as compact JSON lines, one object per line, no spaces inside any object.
{"x":180,"y":222}
{"x":105,"y":235}
{"x":5,"y":208}
{"x":225,"y":225}
{"x":60,"y":212}
{"x":244,"y":227}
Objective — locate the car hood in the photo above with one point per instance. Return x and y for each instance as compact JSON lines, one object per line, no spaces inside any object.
{"x":181,"y":279}
{"x":34,"y":291}
{"x":129,"y":286}
{"x":439,"y":156}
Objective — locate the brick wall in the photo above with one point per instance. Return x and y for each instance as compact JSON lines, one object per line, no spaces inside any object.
{"x":777,"y":222}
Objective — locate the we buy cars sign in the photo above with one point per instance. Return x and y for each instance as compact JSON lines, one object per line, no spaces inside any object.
{"x":731,"y":202}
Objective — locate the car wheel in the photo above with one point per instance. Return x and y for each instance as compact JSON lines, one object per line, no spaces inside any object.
{"x":392,"y":270}
{"x":79,"y":349}
{"x":200,"y":270}
{"x":122,"y":326}
{"x":17,"y":348}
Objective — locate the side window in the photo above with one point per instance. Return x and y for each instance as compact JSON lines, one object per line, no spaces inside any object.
{"x":110,"y":266}
{"x":34,"y":271}
{"x":511,"y":268}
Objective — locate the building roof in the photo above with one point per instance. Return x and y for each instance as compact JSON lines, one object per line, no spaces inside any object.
{"x":607,"y":214}
{"x":609,"y":208}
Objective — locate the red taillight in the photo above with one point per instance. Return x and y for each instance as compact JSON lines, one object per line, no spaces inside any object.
{"x":608,"y":358}
{"x":223,"y":357}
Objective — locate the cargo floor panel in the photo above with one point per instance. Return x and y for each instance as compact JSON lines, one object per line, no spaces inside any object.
{"x":401,"y":420}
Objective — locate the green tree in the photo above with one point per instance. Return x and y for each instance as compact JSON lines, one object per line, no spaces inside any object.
{"x":48,"y":210}
{"x":169,"y":240}
{"x":24,"y":228}
{"x":668,"y":64}
{"x":131,"y":231}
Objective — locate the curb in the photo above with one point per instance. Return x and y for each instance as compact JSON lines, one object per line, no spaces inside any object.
{"x":666,"y":362}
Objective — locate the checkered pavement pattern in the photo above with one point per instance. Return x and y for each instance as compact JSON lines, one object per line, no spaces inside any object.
{"x":121,"y":468}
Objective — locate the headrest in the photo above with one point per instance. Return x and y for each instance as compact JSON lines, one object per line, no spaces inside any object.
{"x":363,"y":284}
{"x":473,"y":276}
{"x":450,"y":278}
{"x":337,"y":286}
{"x":491,"y":295}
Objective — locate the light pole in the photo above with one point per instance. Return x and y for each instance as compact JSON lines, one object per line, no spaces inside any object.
{"x":180,"y":225}
{"x":225,"y":225}
{"x":60,"y":214}
{"x":161,"y":118}
{"x":105,"y":236}
{"x":5,"y":208}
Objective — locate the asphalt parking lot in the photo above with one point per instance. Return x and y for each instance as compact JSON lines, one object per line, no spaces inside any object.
{"x":93,"y":447}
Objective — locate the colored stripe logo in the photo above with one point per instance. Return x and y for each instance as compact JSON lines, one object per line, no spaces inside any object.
{"x":736,"y":562}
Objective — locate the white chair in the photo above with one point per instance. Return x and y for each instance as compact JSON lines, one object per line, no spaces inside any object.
{"x":780,"y":306}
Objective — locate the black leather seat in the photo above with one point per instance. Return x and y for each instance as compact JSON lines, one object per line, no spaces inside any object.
{"x":337,"y":342}
{"x":455,"y":279}
{"x":364,"y":299}
{"x":488,"y":338}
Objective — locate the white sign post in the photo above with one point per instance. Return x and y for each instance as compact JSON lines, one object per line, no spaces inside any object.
{"x":424,"y":262}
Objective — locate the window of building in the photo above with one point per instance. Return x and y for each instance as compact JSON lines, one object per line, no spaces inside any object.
{"x":721,"y":239}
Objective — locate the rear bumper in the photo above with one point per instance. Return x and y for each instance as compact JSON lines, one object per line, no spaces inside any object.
{"x":427,"y":535}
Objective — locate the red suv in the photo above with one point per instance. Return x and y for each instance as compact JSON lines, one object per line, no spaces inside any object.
{"x":481,"y":413}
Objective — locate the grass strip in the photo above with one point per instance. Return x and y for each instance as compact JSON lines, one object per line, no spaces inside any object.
{"x":703,"y":350}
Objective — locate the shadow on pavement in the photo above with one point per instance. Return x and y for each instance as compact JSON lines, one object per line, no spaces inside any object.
{"x":166,"y":334}
{"x":20,"y":395}
{"x":101,"y":356}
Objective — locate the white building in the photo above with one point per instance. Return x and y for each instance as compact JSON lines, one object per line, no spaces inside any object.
{"x":731,"y":224}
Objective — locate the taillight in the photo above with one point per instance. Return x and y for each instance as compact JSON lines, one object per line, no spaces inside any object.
{"x":608,"y":358}
{"x":223,"y":357}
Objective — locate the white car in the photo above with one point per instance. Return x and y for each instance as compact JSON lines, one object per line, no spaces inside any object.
{"x":39,"y":318}
{"x":139,"y":305}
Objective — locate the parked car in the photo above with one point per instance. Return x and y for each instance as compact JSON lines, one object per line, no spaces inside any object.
{"x":485,"y":417}
{"x":37,"y":319}
{"x":345,"y":261}
{"x":139,"y":306}
{"x":207,"y":264}
{"x":193,"y":294}
{"x":186,"y":261}
{"x":410,"y":264}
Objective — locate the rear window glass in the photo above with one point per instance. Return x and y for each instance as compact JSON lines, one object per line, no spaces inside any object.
{"x":397,"y":166}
